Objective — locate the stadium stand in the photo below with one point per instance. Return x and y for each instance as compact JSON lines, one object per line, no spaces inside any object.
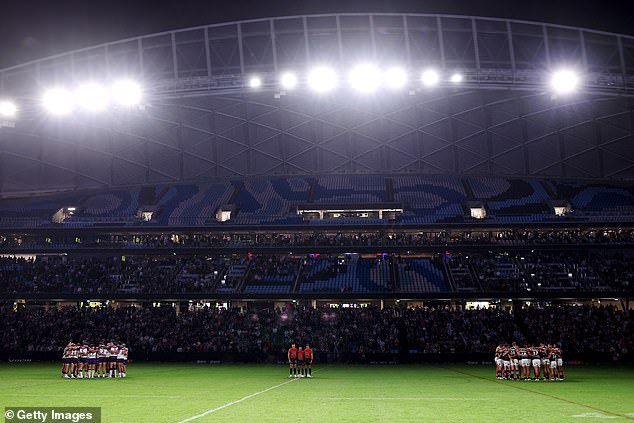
{"x":271,"y":275}
{"x":429,"y":200}
{"x":266,"y":201}
{"x":348,"y":273}
{"x":200,"y":208}
{"x":350,"y":189}
{"x":500,"y":273}
{"x":420,"y":275}
{"x":512,"y":200}
{"x":273,"y":201}
{"x":286,"y":273}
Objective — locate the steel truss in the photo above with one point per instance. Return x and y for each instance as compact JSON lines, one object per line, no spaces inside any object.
{"x":201,"y":122}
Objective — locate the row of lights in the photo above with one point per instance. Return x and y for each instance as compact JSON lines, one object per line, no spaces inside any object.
{"x":368,"y":78}
{"x":365,"y":79}
{"x":89,"y":97}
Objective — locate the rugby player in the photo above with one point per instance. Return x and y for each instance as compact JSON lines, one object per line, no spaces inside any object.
{"x":91,"y":361}
{"x":560,"y":362}
{"x":543,"y":356}
{"x":553,"y":356}
{"x":83,"y":360}
{"x":300,"y":362}
{"x":506,"y":363}
{"x":525,"y":362}
{"x":535,"y":361}
{"x":74,"y":360}
{"x":498,"y":362}
{"x":122,"y":360}
{"x":66,"y":359}
{"x":292,"y":361}
{"x":308,"y":361}
{"x":102,"y":359}
{"x":113,"y":351}
{"x":513,"y":355}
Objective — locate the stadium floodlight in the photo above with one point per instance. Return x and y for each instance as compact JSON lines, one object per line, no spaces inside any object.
{"x":456,"y":78}
{"x":365,"y":78}
{"x":58,"y":101}
{"x":288,"y":80}
{"x":255,"y":82}
{"x":322,"y":79}
{"x":395,"y":77}
{"x":126,"y":93}
{"x":92,"y":97}
{"x":8,"y":109}
{"x":564,"y":81}
{"x":430,"y":77}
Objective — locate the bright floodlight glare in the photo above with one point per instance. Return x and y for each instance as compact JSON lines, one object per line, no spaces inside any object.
{"x":126,"y":93}
{"x":92,"y":97}
{"x":288,"y":80}
{"x":255,"y":82}
{"x":395,"y":78}
{"x":58,"y":101}
{"x":322,"y":79}
{"x":365,"y":78}
{"x":456,"y":78}
{"x":564,"y":81}
{"x":429,"y":78}
{"x":8,"y":109}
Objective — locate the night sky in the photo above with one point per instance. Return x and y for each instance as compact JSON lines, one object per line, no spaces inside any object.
{"x":31,"y":29}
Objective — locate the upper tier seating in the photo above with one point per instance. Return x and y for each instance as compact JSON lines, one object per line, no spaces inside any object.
{"x":350,"y":189}
{"x":420,"y":275}
{"x":429,"y":199}
{"x":426,"y":200}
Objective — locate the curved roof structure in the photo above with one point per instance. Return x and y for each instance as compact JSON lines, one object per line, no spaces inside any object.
{"x":201,"y":120}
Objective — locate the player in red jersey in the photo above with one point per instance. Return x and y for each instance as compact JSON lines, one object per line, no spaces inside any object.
{"x":292,"y":361}
{"x":300,"y":362}
{"x":308,"y":361}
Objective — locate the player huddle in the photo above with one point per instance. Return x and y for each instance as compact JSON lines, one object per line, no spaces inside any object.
{"x":300,"y":361}
{"x":515,"y":362}
{"x":90,"y":361}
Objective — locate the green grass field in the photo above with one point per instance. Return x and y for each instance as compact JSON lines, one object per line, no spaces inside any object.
{"x":173,"y":393}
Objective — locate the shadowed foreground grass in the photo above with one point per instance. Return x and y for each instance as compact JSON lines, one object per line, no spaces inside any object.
{"x":172,"y":393}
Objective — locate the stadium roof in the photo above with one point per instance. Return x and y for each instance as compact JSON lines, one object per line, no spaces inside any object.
{"x":203,"y":117}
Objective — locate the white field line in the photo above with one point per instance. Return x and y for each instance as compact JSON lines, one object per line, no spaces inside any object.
{"x":595,"y":416}
{"x":229,"y":404}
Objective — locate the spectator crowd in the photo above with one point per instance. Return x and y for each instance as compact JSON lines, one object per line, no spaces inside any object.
{"x":358,"y":238}
{"x":490,"y":272}
{"x":343,"y":333}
